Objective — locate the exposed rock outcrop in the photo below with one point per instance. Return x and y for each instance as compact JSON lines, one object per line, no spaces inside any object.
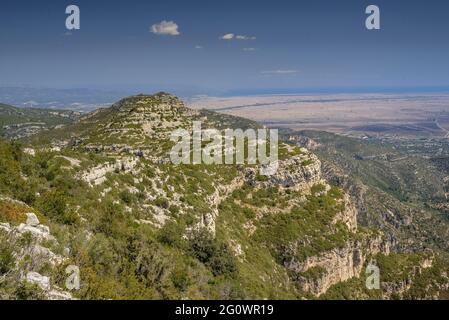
{"x":97,"y":175}
{"x":336,"y":265}
{"x":34,"y":256}
{"x":299,"y":172}
{"x":305,"y":142}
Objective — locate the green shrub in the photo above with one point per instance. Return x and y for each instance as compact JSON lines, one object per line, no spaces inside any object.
{"x":316,"y":188}
{"x":111,"y":219}
{"x":161,"y":203}
{"x":307,"y":162}
{"x":171,"y":234}
{"x":180,"y":279}
{"x":7,"y":260}
{"x":151,"y":265}
{"x":214,"y":254}
{"x":28,"y":291}
{"x":53,"y":204}
{"x":223,"y":261}
{"x":174,"y":210}
{"x":126,"y":197}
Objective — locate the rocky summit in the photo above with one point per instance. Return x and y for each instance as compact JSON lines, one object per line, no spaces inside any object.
{"x":100,"y":195}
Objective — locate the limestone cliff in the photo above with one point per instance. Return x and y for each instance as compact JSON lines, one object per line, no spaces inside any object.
{"x":336,"y":265}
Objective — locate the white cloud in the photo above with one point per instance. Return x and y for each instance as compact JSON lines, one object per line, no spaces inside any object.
{"x":198,"y":47}
{"x":232,"y":36}
{"x":249,"y":49}
{"x":228,"y":36}
{"x":240,"y":37}
{"x":280,"y":72}
{"x":165,"y":28}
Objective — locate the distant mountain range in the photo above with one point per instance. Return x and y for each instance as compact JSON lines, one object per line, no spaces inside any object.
{"x":72,"y":99}
{"x":24,"y":122}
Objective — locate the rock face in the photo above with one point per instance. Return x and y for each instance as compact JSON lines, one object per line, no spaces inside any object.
{"x":57,"y":294}
{"x":337,"y":265}
{"x":304,"y":142}
{"x":36,"y":278}
{"x":399,"y":288}
{"x":40,"y":231}
{"x":36,"y":253}
{"x":342,"y":262}
{"x":43,"y":283}
{"x":97,"y":175}
{"x":347,"y":216}
{"x":317,"y":273}
{"x":221,"y":193}
{"x":32,"y":220}
{"x":33,"y":226}
{"x":299,"y":172}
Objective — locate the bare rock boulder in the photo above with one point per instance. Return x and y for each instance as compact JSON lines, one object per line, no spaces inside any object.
{"x":32,"y":220}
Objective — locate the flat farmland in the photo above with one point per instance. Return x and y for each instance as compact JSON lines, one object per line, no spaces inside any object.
{"x":426,"y":114}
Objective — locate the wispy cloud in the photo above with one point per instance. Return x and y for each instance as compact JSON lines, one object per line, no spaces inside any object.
{"x":240,"y":37}
{"x":249,"y":49}
{"x":228,"y":36}
{"x":232,"y":36}
{"x":198,"y":47}
{"x":169,"y":28}
{"x":279,"y":72}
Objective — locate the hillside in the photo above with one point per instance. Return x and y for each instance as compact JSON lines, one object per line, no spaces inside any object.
{"x":24,"y":122}
{"x":406,"y":189}
{"x":109,"y":201}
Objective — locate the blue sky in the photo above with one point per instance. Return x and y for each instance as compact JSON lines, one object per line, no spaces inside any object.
{"x":291,"y":45}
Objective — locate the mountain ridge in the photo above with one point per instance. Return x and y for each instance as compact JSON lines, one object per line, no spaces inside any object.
{"x":139,"y":227}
